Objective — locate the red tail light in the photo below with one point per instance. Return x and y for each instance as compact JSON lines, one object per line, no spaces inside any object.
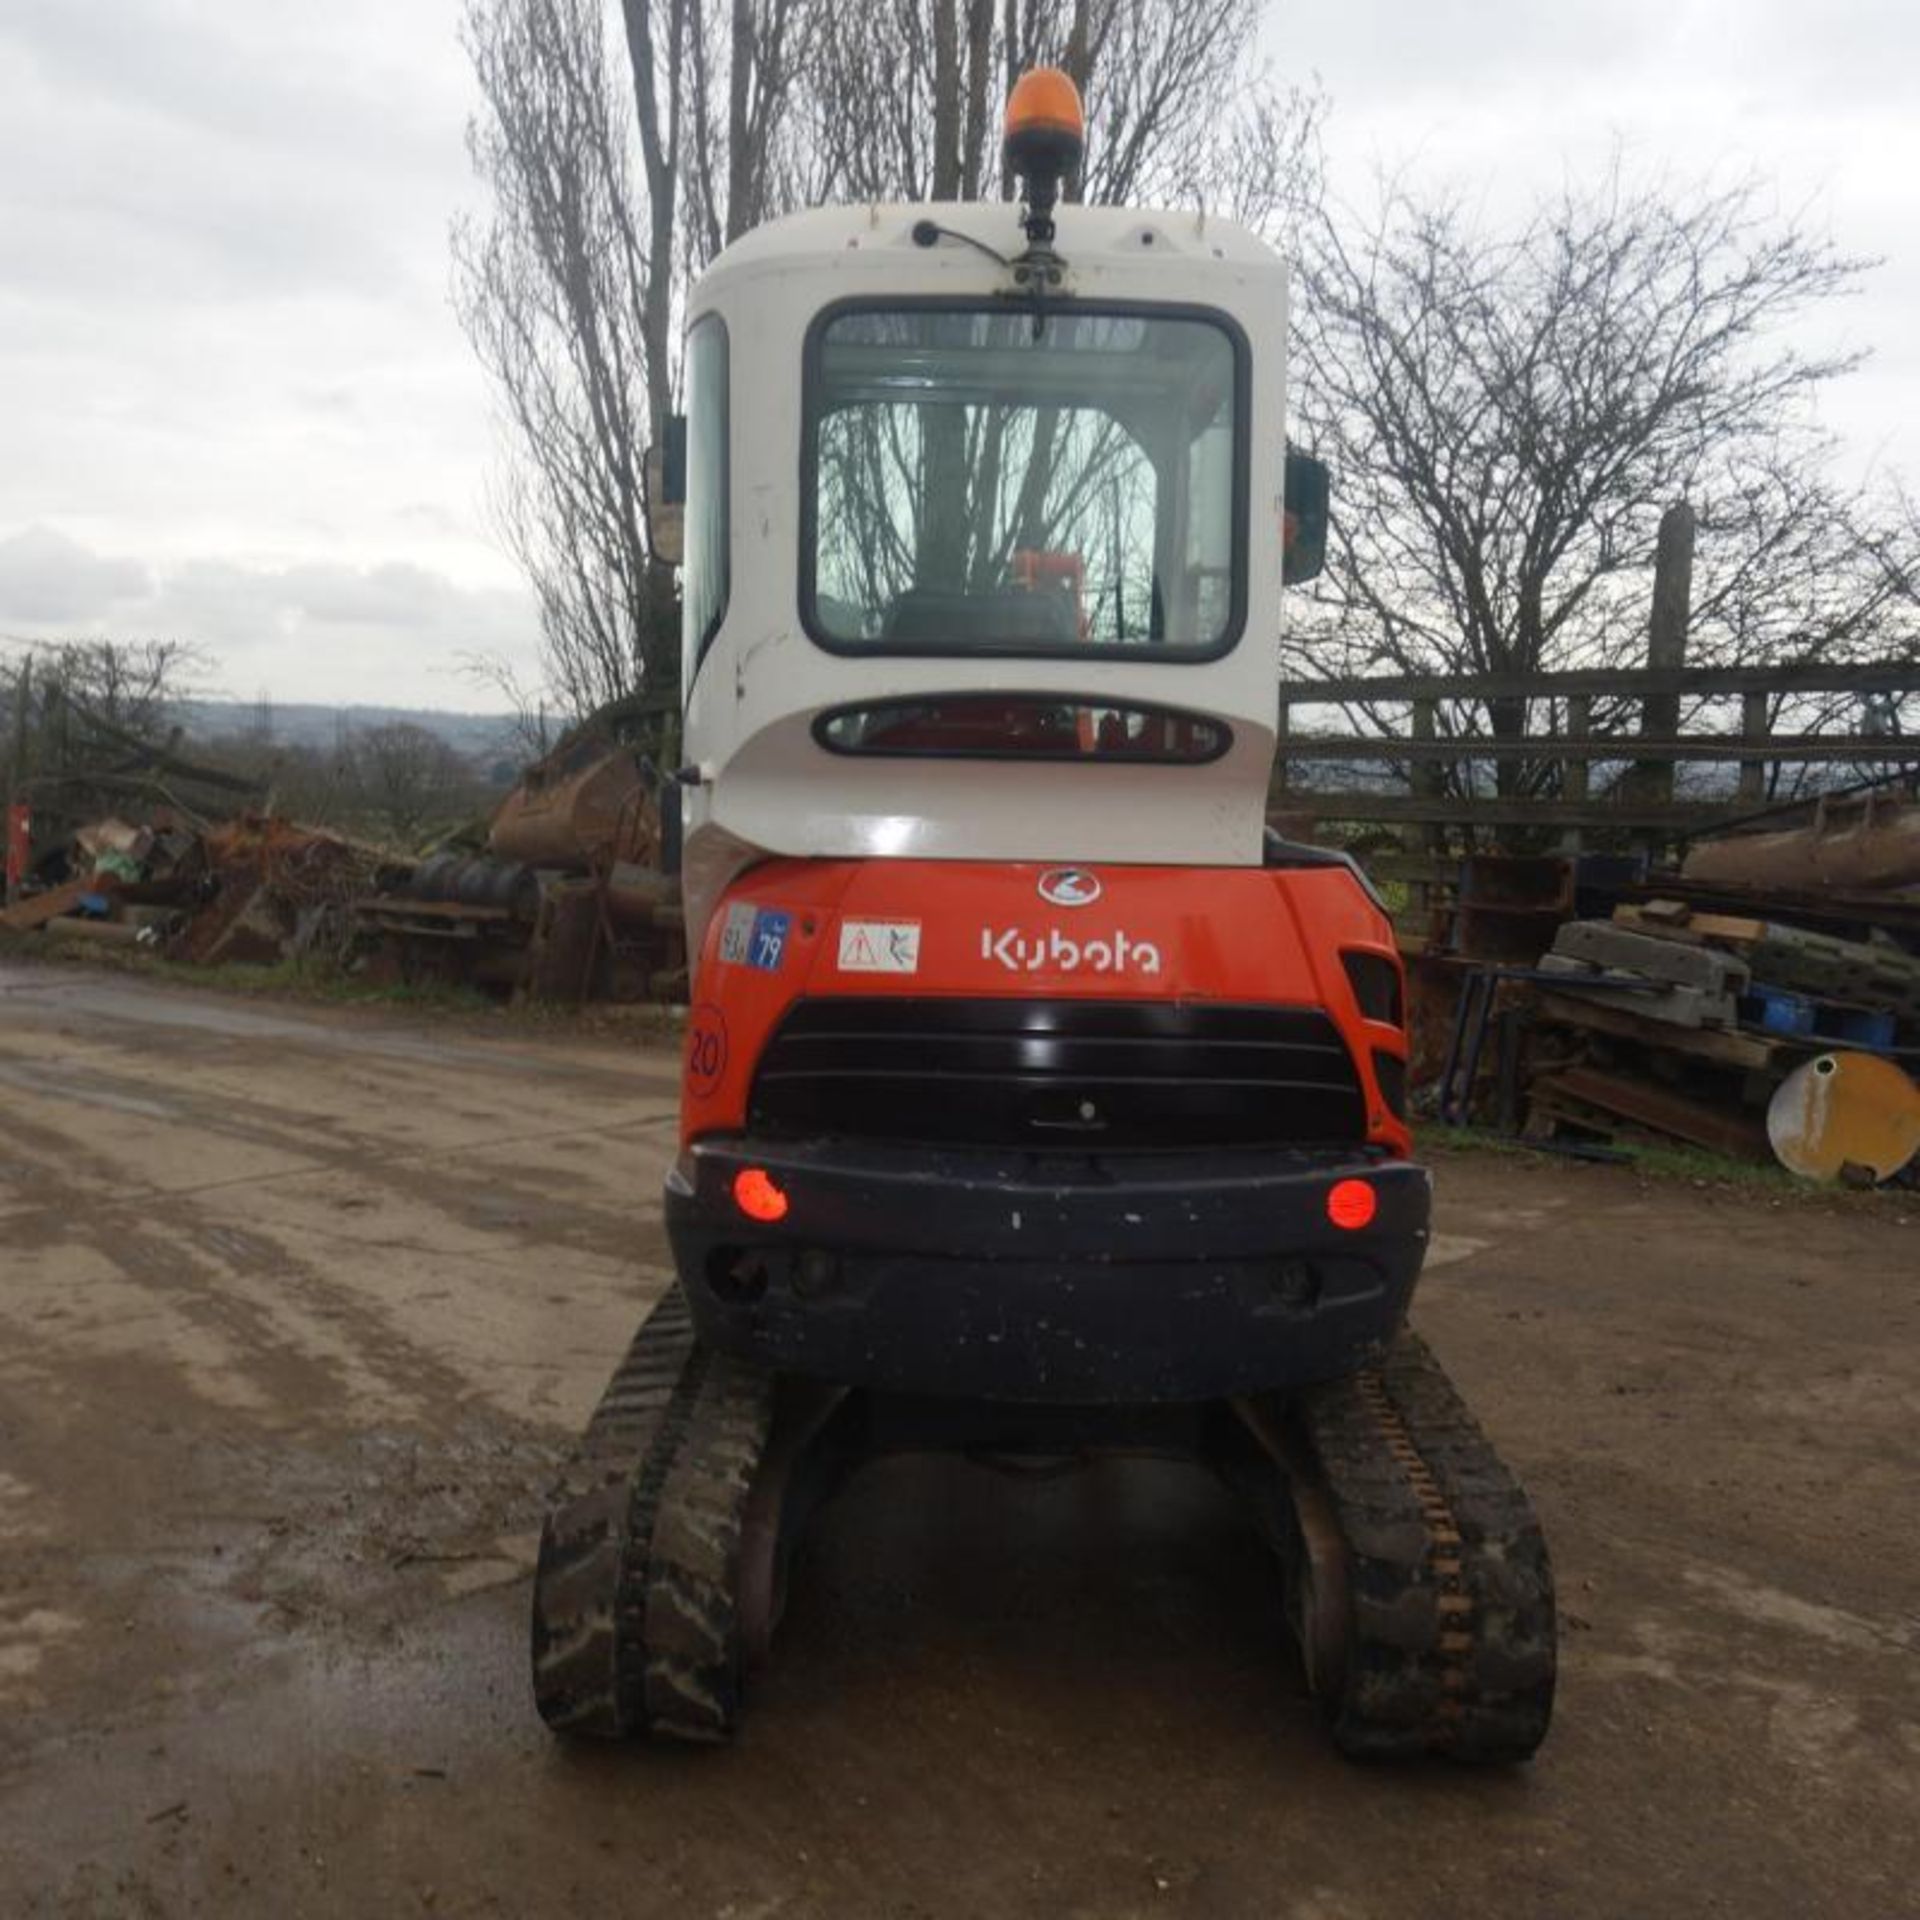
{"x":756,"y":1195}
{"x":1352,"y":1204}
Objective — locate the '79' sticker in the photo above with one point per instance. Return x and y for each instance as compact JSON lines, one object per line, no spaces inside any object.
{"x":768,"y":947}
{"x":753,"y":936}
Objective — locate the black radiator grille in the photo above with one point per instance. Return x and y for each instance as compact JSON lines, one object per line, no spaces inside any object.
{"x":1061,"y":1073}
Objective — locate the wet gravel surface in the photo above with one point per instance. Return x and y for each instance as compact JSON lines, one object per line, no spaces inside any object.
{"x":298,"y":1309}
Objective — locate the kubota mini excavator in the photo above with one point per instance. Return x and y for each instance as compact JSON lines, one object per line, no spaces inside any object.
{"x":1036,"y":1097}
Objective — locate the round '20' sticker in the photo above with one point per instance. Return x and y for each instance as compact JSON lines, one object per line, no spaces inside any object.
{"x":706,"y":1049}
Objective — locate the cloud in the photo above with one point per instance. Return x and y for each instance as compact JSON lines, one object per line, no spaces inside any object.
{"x":237,"y":407}
{"x":167,"y":153}
{"x":387,"y":633}
{"x":1381,"y":56}
{"x":1502,"y":102}
{"x":47,"y":579}
{"x":225,"y":341}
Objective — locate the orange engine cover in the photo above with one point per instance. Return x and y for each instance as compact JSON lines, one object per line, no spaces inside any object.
{"x":789,"y":929}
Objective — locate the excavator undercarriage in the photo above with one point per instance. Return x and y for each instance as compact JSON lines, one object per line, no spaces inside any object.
{"x":1416,"y":1576}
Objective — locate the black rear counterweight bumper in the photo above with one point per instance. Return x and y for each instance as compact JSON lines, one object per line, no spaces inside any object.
{"x":1020,"y":1276}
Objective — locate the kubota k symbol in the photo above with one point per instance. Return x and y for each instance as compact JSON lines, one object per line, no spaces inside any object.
{"x":1069,"y":887}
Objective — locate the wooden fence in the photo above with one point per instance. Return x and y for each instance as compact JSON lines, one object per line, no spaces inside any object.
{"x":1639,"y":803}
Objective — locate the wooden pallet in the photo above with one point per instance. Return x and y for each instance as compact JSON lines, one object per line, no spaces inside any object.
{"x":1721,"y":1047}
{"x":1610,"y":1103}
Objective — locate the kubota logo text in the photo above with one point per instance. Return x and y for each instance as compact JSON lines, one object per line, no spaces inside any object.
{"x":1053,"y":952}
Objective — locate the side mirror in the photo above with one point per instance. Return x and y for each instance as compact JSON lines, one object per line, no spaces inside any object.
{"x":673,"y":461}
{"x":667,"y":492}
{"x":672,"y":827}
{"x":1308,"y":503}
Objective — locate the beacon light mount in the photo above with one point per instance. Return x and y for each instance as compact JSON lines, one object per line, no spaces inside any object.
{"x":1044,"y":141}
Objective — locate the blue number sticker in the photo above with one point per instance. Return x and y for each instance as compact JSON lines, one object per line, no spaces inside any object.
{"x":769,"y":940}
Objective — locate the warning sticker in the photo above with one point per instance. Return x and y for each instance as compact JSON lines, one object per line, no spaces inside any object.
{"x":736,"y":934}
{"x":880,"y":946}
{"x":768,"y":946}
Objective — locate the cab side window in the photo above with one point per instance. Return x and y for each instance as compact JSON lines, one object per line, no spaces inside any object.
{"x":706,"y":572}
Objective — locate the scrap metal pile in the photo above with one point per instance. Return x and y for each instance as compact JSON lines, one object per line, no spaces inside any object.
{"x":569,"y":900}
{"x":1762,"y":1002}
{"x":255,"y":889}
{"x":566,"y":901}
{"x":279,"y":891}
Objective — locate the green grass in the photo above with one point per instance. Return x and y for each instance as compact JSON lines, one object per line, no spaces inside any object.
{"x":1692,"y":1165}
{"x":1398,"y":895}
{"x":308,"y":979}
{"x":295,"y":979}
{"x":319,"y":982}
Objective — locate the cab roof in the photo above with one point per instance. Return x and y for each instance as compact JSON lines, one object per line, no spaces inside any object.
{"x":880,"y":239}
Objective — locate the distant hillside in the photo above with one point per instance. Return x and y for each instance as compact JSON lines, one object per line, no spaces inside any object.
{"x":288,"y":723}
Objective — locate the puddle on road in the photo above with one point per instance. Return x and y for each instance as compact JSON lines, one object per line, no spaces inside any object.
{"x":640,"y":1070}
{"x":1771,"y":1607}
{"x":88,"y":1089}
{"x":142,"y":1303}
{"x":18,"y":1521}
{"x":25,"y":1638}
{"x":1469,"y":1231}
{"x":1815,"y":1731}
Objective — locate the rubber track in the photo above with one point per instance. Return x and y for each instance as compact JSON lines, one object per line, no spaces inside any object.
{"x":1450,"y":1593}
{"x":635,"y":1624}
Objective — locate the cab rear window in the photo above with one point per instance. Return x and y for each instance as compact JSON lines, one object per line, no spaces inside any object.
{"x":1000,"y":726}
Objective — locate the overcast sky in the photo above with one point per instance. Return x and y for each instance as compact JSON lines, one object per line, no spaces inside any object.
{"x":235,"y":408}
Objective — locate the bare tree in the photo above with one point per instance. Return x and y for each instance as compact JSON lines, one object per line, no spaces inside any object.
{"x":1507,"y":415}
{"x":409,"y":779}
{"x":531,"y":732}
{"x":130,"y":684}
{"x":90,"y":726}
{"x":564,"y":291}
{"x":903,"y":99}
{"x":756,"y":55}
{"x":612,"y":182}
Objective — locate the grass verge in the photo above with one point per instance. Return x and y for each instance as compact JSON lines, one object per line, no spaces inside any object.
{"x":317,"y":983}
{"x":1693,"y":1166}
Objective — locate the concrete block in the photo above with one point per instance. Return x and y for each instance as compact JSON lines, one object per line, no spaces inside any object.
{"x":1677,"y":1005}
{"x":1600,"y":943}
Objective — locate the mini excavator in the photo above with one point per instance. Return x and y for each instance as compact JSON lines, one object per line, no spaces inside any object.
{"x":1037,"y":1098}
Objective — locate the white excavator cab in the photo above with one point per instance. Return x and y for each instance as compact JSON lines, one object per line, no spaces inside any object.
{"x":983,"y":551}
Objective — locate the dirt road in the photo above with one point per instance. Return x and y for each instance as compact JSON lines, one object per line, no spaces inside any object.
{"x":297,"y":1310}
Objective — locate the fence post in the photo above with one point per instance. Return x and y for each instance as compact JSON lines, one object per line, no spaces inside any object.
{"x":1667,"y":629}
{"x":1754,"y":726}
{"x":1422,"y":838}
{"x":1573,"y":773}
{"x":16,"y":769}
{"x":1666,"y":647}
